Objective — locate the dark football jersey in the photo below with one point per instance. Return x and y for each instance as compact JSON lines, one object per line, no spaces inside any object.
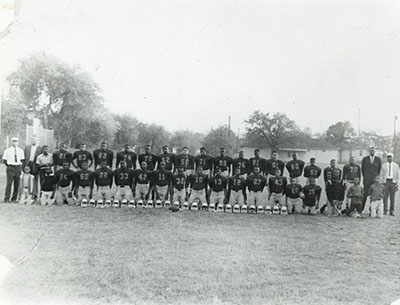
{"x":272,"y":165}
{"x":104,"y":177}
{"x":223,"y":162}
{"x":241,"y":163}
{"x":123,"y":177}
{"x":256,"y":183}
{"x":169,"y":160}
{"x":179,"y":181}
{"x":295,"y":168}
{"x":197,"y":182}
{"x":351,"y":171}
{"x":330,"y":172}
{"x":129,"y":157}
{"x":312,"y":171}
{"x":84,"y":178}
{"x":142,"y":176}
{"x":186,"y":161}
{"x":335,"y":190}
{"x":61,"y":156}
{"x":161,"y":177}
{"x":48,"y":182}
{"x":150,"y":159}
{"x":257,"y":162}
{"x":277,"y":184}
{"x":64,"y":177}
{"x":236,"y":183}
{"x":218,"y":183}
{"x":312,"y":193}
{"x":82,"y":155}
{"x":205,"y":161}
{"x":293,"y":190}
{"x":101,"y":155}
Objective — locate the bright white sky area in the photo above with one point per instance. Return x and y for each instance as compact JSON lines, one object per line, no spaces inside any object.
{"x":191,"y":64}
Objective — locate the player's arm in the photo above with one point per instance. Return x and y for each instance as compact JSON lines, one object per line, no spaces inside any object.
{"x":54,"y":188}
{"x":318,"y":197}
{"x":111,"y":175}
{"x":91,"y":177}
{"x":75,"y":157}
{"x":284,"y":184}
{"x":270,"y":187}
{"x":288,"y":167}
{"x":90,"y":158}
{"x":225,"y":190}
{"x":110,"y":158}
{"x":211,"y":184}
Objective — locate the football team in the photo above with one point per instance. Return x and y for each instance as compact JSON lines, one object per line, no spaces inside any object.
{"x":201,"y":182}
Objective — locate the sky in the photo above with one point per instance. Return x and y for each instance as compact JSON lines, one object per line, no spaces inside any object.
{"x":192,"y":64}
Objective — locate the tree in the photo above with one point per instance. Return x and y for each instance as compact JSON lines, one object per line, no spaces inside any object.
{"x":187,"y":138}
{"x":340,"y":134}
{"x":13,"y":114}
{"x":127,"y":130}
{"x":64,"y":98}
{"x":270,"y":129}
{"x":154,"y":135}
{"x":220,"y":137}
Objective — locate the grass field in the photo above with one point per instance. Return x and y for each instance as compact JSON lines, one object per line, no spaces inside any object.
{"x":72,"y":255}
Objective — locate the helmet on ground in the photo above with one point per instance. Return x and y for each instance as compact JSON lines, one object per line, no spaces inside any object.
{"x":211,"y":207}
{"x":84,"y":203}
{"x":268,"y":210}
{"x":204,"y":206}
{"x":108,"y":203}
{"x":92,"y":203}
{"x":220,"y":208}
{"x":100,"y":203}
{"x":252,"y":208}
{"x":140,"y":203}
{"x":260,"y":209}
{"x":186,"y":205}
{"x":167,"y":203}
{"x":276,"y":209}
{"x":158,"y":203}
{"x":116,"y":203}
{"x":243,"y":209}
{"x":149,"y":204}
{"x":284,"y":210}
{"x":236,"y":208}
{"x":228,"y":208}
{"x":176,"y":203}
{"x":195,"y":206}
{"x":131,"y":203}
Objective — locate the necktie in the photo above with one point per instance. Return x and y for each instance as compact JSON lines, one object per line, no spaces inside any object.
{"x":390,"y":169}
{"x":372,"y":160}
{"x":15,"y":155}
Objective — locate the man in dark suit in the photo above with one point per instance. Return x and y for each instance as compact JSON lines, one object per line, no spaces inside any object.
{"x":32,"y":151}
{"x":370,"y":168}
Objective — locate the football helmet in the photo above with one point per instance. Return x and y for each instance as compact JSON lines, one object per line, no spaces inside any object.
{"x":92,"y":203}
{"x":220,"y":208}
{"x":167,"y":203}
{"x":149,"y":204}
{"x":211,"y":207}
{"x":100,"y":203}
{"x":131,"y":203}
{"x":268,"y":210}
{"x":140,"y":203}
{"x":252,"y":209}
{"x":228,"y":208}
{"x":195,"y":206}
{"x":186,"y":205}
{"x":276,"y":210}
{"x":158,"y":203}
{"x":243,"y":209}
{"x":260,"y":209}
{"x":116,"y":203}
{"x":284,"y":210}
{"x":176,"y":203}
{"x":124,"y":203}
{"x":236,"y":208}
{"x":84,"y":203}
{"x":204,"y":206}
{"x":108,"y":203}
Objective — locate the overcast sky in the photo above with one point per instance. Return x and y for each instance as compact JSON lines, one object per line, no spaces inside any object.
{"x":191,"y":64}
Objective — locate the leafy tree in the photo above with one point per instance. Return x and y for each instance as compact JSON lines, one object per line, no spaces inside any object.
{"x":220,"y":137}
{"x":187,"y":138}
{"x":13,"y":114}
{"x":271,"y":129}
{"x":340,"y":133}
{"x":64,"y":98}
{"x":127,"y":130}
{"x":154,"y":135}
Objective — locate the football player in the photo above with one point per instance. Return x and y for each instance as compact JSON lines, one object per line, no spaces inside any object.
{"x":350,"y":171}
{"x":103,"y":154}
{"x":294,"y":194}
{"x":205,"y":161}
{"x":161,"y":182}
{"x":312,"y":170}
{"x":196,"y":185}
{"x":185,"y":160}
{"x":65,"y":179}
{"x":255,"y":185}
{"x":237,"y":189}
{"x":217,"y":190}
{"x":335,"y":190}
{"x":276,"y":186}
{"x":60,"y":156}
{"x":223,"y":162}
{"x":242,"y":164}
{"x":142,"y":182}
{"x":123,"y":177}
{"x":104,"y":180}
{"x":331,"y":171}
{"x":168,"y":158}
{"x":274,"y":163}
{"x":257,"y":161}
{"x":47,"y":187}
{"x":312,"y":194}
{"x":127,"y":155}
{"x":355,"y":194}
{"x":81,"y":156}
{"x":84,"y":182}
{"x":295,"y":166}
{"x":178,"y":183}
{"x":150,"y":159}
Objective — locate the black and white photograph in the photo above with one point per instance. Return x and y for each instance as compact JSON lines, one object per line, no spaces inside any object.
{"x":216,"y":152}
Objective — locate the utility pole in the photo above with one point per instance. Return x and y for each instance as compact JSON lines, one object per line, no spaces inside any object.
{"x":237,"y":142}
{"x":394,"y":134}
{"x":359,"y":121}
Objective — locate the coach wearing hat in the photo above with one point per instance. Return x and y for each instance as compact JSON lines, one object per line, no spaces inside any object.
{"x":370,"y":168}
{"x":13,"y":158}
{"x":390,"y":176}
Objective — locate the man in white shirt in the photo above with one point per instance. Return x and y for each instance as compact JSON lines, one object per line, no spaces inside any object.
{"x":13,"y":158}
{"x":390,"y":175}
